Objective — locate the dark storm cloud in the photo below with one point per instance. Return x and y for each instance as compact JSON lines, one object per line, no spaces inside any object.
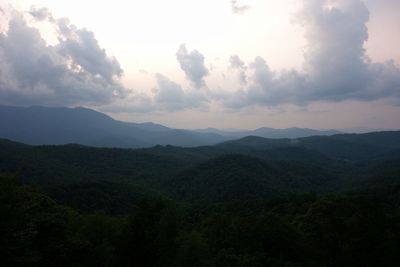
{"x":193,"y":65}
{"x":74,"y":72}
{"x":237,"y":8}
{"x":336,"y":65}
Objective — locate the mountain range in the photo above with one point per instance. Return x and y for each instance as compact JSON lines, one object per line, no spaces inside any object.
{"x":254,"y":201}
{"x":59,"y":125}
{"x":43,"y":125}
{"x":247,"y":168}
{"x":293,"y":132}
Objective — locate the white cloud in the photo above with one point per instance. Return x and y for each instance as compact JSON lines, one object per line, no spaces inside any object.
{"x":237,"y":8}
{"x":237,"y":64}
{"x":76,"y":71}
{"x":193,"y":65}
{"x":336,"y":65}
{"x":171,"y":96}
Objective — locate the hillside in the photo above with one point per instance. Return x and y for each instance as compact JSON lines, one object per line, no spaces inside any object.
{"x":252,"y":167}
{"x":239,"y":177}
{"x":38,"y":125}
{"x":55,"y":126}
{"x":266,"y":132}
{"x":315,"y":201}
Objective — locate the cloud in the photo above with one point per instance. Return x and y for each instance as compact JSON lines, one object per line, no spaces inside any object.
{"x":41,"y":14}
{"x":167,"y":96}
{"x":336,"y":67}
{"x":238,"y":9}
{"x":170,"y":96}
{"x":193,"y":65}
{"x":134,"y":102}
{"x":76,"y":71}
{"x":336,"y":62}
{"x":85,"y":51}
{"x":237,"y":64}
{"x":5,"y":14}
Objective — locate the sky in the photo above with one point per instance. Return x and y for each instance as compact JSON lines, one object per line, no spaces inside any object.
{"x":213,"y":63}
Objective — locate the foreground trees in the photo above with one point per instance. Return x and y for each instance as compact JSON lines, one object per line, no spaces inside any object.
{"x":336,"y":230}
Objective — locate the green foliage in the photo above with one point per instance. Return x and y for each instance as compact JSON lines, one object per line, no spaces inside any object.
{"x":300,"y":230}
{"x":254,"y":202}
{"x":109,"y":197}
{"x":35,"y":231}
{"x":193,"y":250}
{"x":151,"y":238}
{"x":33,"y":228}
{"x":240,"y":177}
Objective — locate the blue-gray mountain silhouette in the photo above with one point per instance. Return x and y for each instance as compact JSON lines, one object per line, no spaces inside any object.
{"x":59,"y":125}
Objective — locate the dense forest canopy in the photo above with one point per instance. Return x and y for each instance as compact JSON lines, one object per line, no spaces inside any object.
{"x":315,"y":201}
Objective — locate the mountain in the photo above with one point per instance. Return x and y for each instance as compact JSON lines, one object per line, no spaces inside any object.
{"x":57,"y":125}
{"x":238,"y":177}
{"x":45,"y":125}
{"x":248,"y":168}
{"x":266,"y":132}
{"x":361,"y":130}
{"x":85,"y":206}
{"x":340,"y":146}
{"x":293,"y":132}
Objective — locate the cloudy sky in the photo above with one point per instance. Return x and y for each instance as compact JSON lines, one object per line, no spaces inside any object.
{"x":209,"y":63}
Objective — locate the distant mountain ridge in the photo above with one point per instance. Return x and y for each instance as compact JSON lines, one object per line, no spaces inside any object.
{"x":293,"y":132}
{"x":38,"y":125}
{"x":43,"y":125}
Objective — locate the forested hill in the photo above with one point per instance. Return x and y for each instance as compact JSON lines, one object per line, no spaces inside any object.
{"x":351,"y":147}
{"x":266,"y":166}
{"x":314,"y":201}
{"x":344,"y":146}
